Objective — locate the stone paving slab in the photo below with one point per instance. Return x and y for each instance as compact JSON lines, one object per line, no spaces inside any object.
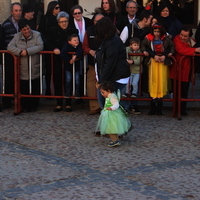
{"x":47,"y":155}
{"x":80,"y":183}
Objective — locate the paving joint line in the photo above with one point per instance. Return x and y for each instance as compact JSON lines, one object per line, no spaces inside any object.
{"x":95,"y":175}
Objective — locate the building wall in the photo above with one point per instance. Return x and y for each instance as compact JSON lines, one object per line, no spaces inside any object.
{"x":89,"y":6}
{"x":4,"y":10}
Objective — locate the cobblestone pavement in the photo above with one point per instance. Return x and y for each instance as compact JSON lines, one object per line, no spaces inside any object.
{"x":53,"y":156}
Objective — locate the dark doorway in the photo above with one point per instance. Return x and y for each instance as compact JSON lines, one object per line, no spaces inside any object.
{"x":35,"y":4}
{"x":67,"y":4}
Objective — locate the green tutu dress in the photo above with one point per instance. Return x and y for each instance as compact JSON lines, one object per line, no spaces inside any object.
{"x":113,"y":121}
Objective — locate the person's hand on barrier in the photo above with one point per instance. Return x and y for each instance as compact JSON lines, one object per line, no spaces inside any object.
{"x":145,"y":53}
{"x":92,"y":52}
{"x":73,"y":59}
{"x":56,"y":51}
{"x":169,"y":54}
{"x":23,"y":52}
{"x":130,"y":62}
{"x":197,"y":50}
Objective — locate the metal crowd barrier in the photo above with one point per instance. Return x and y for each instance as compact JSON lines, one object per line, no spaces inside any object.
{"x":3,"y":78}
{"x":41,"y":95}
{"x":140,"y":98}
{"x":17,"y":95}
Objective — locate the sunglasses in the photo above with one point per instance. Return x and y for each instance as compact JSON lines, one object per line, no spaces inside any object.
{"x":78,"y":13}
{"x":57,"y":8}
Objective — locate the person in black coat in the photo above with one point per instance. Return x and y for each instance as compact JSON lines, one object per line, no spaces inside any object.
{"x":110,"y":57}
{"x":48,"y":20}
{"x":166,"y":17}
{"x":90,"y":45}
{"x":28,"y":14}
{"x":55,"y":42}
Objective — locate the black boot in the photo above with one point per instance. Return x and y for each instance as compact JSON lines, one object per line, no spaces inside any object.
{"x":183,"y":108}
{"x":159,"y":106}
{"x":153,"y":107}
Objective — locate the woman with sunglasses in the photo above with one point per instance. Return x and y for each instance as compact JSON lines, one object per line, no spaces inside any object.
{"x":49,"y":20}
{"x":79,"y":22}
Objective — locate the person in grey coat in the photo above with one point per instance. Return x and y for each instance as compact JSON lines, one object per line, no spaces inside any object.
{"x":28,"y":43}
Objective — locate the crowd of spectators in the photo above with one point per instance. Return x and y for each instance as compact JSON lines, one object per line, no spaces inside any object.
{"x":63,"y":32}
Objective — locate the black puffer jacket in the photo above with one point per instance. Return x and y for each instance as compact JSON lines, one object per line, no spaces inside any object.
{"x":111,"y":60}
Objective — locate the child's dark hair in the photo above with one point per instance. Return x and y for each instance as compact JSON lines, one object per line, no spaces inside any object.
{"x":160,"y":27}
{"x":134,"y":40}
{"x":107,"y":86}
{"x":69,"y":38}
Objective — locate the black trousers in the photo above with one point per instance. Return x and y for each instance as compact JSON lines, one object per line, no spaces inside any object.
{"x":58,"y":79}
{"x":30,"y":103}
{"x":184,"y":92}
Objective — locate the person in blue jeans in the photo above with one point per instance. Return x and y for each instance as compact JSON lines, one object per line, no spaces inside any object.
{"x":72,"y":45}
{"x":135,"y":65}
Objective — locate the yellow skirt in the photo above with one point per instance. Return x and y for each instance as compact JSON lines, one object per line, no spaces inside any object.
{"x":158,"y":79}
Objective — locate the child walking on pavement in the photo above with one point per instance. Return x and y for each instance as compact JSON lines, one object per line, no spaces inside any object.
{"x":113,"y":119}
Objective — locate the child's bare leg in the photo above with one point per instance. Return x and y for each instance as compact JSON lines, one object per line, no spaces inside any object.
{"x":114,"y":137}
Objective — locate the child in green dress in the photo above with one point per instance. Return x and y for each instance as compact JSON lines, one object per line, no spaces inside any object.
{"x":113,"y":119}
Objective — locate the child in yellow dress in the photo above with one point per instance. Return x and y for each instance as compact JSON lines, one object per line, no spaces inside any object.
{"x":158,"y":46}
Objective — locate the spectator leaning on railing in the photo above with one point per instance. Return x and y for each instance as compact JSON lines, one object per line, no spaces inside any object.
{"x":55,"y":42}
{"x":184,"y":46}
{"x":28,"y":43}
{"x":90,"y":45}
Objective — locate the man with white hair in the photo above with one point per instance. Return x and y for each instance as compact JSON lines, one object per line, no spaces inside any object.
{"x":131,"y":9}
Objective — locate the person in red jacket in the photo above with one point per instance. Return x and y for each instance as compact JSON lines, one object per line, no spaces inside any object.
{"x":184,"y":46}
